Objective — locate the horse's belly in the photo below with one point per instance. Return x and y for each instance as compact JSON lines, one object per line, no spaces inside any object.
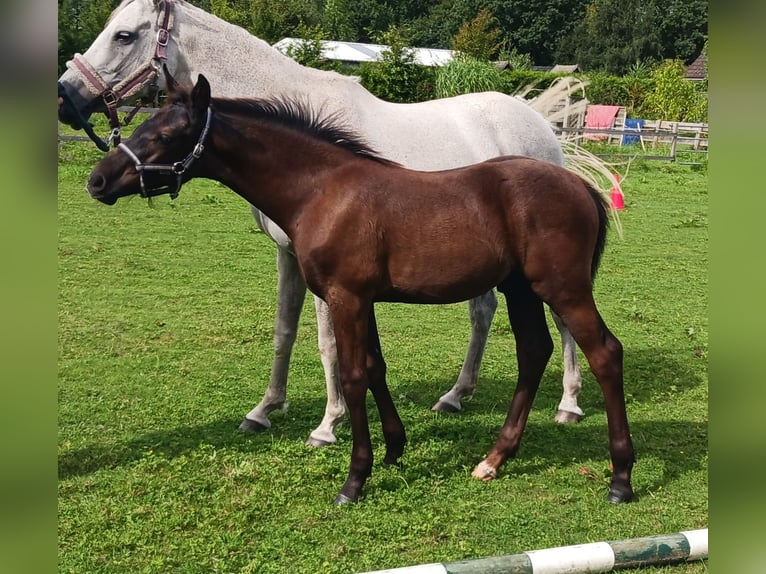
{"x":451,"y":281}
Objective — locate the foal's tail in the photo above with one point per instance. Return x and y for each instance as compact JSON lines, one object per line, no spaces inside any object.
{"x":603,"y":205}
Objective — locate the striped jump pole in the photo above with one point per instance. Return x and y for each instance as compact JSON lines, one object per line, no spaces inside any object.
{"x":579,"y":559}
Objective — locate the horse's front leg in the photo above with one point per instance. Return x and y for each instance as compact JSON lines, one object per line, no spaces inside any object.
{"x":482,"y":311}
{"x":569,"y":411}
{"x":350,"y":320}
{"x":324,"y":434}
{"x":533,"y":350}
{"x":393,"y":429}
{"x":291,"y":294}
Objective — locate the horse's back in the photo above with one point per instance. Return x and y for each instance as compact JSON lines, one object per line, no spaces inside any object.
{"x":458,"y":131}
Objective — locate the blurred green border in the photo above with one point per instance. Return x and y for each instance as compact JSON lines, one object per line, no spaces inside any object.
{"x":737,"y":390}
{"x":28,"y":288}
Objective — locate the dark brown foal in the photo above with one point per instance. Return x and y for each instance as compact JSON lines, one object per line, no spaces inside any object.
{"x":367,"y":230}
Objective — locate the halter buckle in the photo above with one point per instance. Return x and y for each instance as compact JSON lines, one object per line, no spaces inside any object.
{"x":163,"y":36}
{"x":110,"y":98}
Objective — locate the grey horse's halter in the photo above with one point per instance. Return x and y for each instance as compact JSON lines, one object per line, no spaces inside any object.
{"x":146,"y":75}
{"x":176,"y":169}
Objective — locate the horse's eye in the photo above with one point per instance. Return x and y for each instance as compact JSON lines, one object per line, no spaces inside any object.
{"x":124,"y":37}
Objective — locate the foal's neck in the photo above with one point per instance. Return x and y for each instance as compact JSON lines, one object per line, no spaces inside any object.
{"x":274,"y":168}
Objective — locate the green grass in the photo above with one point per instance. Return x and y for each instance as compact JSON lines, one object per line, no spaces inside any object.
{"x":165,"y":330}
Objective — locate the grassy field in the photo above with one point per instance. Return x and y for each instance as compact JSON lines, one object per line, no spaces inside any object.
{"x":165,"y":328}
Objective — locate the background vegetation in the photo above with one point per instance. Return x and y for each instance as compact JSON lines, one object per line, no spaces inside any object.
{"x":165,"y":330}
{"x":632,"y":55}
{"x":608,"y":35}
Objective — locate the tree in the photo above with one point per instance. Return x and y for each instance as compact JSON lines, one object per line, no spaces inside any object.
{"x":79,"y":23}
{"x":338,"y":21}
{"x":272,"y":20}
{"x":397,"y":78}
{"x":614,"y":34}
{"x":479,"y":38}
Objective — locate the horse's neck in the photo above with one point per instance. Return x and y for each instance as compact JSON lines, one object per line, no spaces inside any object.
{"x":265,"y":167}
{"x":238,"y":64}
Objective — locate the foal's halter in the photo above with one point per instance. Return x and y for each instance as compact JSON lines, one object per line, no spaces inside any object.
{"x":146,"y":75}
{"x":176,"y":169}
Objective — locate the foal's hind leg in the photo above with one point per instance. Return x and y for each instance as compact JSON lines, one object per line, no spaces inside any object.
{"x":482,"y":311}
{"x":569,"y":411}
{"x":604,"y":353}
{"x":533,"y":350}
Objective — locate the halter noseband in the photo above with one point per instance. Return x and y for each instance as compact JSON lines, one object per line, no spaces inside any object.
{"x":143,"y":76}
{"x":176,"y":169}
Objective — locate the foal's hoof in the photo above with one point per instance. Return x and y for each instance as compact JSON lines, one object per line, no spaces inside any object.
{"x":484,"y":471}
{"x":443,"y":407}
{"x":567,"y":417}
{"x":620,"y":494}
{"x":251,"y":426}
{"x":342,"y":499}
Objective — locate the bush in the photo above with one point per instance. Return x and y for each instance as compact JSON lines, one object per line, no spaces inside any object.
{"x":673,"y":97}
{"x":464,"y":75}
{"x":397,"y":78}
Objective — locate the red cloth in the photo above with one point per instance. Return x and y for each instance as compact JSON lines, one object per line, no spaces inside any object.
{"x":600,"y":117}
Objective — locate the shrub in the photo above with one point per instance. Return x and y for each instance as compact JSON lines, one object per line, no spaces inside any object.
{"x":673,"y":97}
{"x":464,"y":75}
{"x":397,"y":78}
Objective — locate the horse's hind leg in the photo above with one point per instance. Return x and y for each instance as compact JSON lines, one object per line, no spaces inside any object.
{"x":533,"y":349}
{"x":604,"y":353}
{"x":568,"y":411}
{"x":482,"y":311}
{"x":291,"y":294}
{"x":335,"y":409}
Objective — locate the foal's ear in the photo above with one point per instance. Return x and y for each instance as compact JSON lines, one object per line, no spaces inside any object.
{"x":201,"y":95}
{"x":170,"y":81}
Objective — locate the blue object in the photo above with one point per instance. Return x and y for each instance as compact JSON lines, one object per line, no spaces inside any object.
{"x":632,"y":124}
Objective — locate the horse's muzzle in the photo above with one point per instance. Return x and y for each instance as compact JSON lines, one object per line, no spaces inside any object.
{"x":97,"y":185}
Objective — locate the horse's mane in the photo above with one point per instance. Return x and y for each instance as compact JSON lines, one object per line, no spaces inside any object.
{"x":299,"y":115}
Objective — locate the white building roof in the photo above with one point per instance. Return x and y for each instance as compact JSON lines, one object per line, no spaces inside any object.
{"x":358,"y":52}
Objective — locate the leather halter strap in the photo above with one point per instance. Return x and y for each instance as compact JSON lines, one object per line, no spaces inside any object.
{"x":145,"y":75}
{"x":176,"y":169}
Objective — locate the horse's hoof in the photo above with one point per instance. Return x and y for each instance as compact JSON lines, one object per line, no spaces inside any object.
{"x":620,"y":494}
{"x":251,"y":426}
{"x":484,"y":471}
{"x":343,"y":499}
{"x":319,"y":442}
{"x":443,"y":407}
{"x":567,"y":417}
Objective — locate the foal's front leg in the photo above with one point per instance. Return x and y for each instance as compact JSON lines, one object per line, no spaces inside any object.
{"x":361,"y":366}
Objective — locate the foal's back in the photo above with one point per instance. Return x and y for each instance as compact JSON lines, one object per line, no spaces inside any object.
{"x":451,"y":235}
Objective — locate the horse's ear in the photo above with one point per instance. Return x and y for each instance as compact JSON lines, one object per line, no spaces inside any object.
{"x":170,"y":81}
{"x":201,"y":95}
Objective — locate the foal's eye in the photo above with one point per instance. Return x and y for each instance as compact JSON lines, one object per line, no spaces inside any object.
{"x":165,"y":139}
{"x":124,"y":37}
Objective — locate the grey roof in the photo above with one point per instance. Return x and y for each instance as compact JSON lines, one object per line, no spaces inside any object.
{"x":358,"y":52}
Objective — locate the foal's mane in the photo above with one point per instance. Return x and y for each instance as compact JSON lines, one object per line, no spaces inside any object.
{"x":300,"y":116}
